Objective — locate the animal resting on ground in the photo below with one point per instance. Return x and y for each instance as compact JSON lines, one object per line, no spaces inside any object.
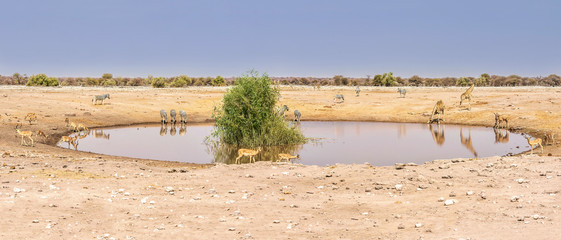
{"x":31,"y":117}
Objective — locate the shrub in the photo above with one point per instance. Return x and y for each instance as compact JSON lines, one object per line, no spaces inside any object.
{"x":42,"y":80}
{"x":248,"y":118}
{"x":178,"y":82}
{"x":109,"y":83}
{"x":218,"y":81}
{"x":159,"y":82}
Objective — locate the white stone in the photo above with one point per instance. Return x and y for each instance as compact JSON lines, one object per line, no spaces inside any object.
{"x":398,"y":187}
{"x":418,"y":225}
{"x":450,"y":202}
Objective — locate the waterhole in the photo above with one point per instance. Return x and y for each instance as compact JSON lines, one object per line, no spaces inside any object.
{"x":380,"y":144}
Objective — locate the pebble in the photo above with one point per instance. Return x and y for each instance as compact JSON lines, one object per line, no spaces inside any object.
{"x":398,"y":187}
{"x":400,"y":226}
{"x":452,"y":194}
{"x":482,"y":195}
{"x":418,"y":225}
{"x":450,"y":202}
{"x":469,"y":193}
{"x":515,"y":199}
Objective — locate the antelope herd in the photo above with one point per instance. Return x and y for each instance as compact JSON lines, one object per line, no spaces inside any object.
{"x":437,"y":115}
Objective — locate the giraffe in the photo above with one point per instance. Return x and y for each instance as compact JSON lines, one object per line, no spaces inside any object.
{"x":467,"y":96}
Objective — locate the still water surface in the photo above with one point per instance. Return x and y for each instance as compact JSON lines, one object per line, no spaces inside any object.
{"x":380,"y":144}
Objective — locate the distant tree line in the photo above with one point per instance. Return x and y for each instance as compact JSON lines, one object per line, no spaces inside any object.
{"x":386,"y":79}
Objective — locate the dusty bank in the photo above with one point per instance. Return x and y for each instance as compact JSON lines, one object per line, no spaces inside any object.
{"x":53,"y":193}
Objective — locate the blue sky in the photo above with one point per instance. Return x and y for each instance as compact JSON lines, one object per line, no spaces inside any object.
{"x":282,"y":38}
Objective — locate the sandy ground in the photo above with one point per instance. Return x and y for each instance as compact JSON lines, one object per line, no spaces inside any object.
{"x":53,"y":193}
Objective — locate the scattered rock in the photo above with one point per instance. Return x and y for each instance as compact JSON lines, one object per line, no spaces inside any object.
{"x":450,"y":202}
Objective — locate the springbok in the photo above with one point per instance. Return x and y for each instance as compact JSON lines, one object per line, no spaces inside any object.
{"x":500,"y":119}
{"x":247,"y":152}
{"x":534,"y":142}
{"x":23,"y":134}
{"x":69,"y":140}
{"x":283,"y":157}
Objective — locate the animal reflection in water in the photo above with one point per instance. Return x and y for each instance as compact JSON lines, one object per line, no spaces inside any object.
{"x":173,"y":129}
{"x":501,"y":135}
{"x":437,"y":134}
{"x":467,"y":141}
{"x":100,"y":134}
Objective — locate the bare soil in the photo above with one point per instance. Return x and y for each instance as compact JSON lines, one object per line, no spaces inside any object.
{"x":49,"y":192}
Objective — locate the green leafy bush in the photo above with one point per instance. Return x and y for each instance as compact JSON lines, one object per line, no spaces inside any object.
{"x":218,"y":81}
{"x":42,"y":80}
{"x":159,"y":82}
{"x":248,"y":118}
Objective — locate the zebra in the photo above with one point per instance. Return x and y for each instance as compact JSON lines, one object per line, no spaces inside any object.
{"x":182,"y":116}
{"x":172,"y":115}
{"x":339,"y":98}
{"x":297,"y":115}
{"x":282,"y":110}
{"x":164,"y":116}
{"x":402,"y":92}
{"x":357,"y":91}
{"x":100,"y":98}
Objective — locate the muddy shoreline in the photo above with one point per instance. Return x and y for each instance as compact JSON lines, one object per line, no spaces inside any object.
{"x":54,"y":193}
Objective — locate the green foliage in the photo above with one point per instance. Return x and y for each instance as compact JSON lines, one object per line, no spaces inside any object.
{"x":18,"y":79}
{"x":179,"y":81}
{"x":218,"y":81}
{"x":416,"y":80}
{"x":42,"y":80}
{"x":388,"y":79}
{"x":463,"y":82}
{"x":248,"y":118}
{"x":158,"y":82}
{"x":109,"y":83}
{"x":107,"y":76}
{"x":483,"y":80}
